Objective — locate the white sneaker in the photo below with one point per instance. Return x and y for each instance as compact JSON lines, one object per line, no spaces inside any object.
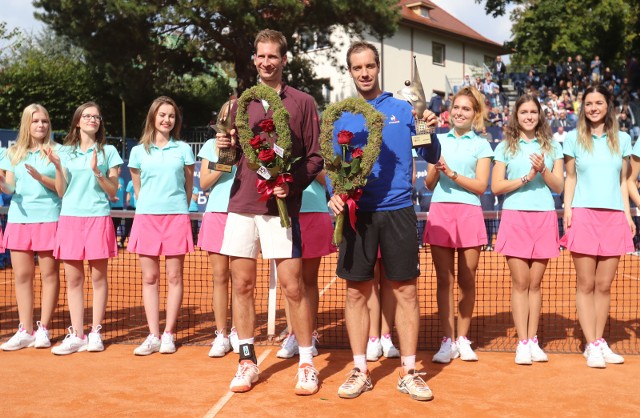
{"x":536,"y":352}
{"x":307,"y":380}
{"x":71,"y":344}
{"x":21,"y":339}
{"x":465,"y":350}
{"x":315,"y":339}
{"x":388,"y":349}
{"x":289,"y":347}
{"x":594,"y":356}
{"x":42,"y":337}
{"x":247,"y":374}
{"x":448,"y":351}
{"x":149,"y":346}
{"x":374,"y":349}
{"x":233,"y":340}
{"x":95,"y":340}
{"x":220,"y":345}
{"x":523,"y":352}
{"x":609,"y":356}
{"x":167,"y":346}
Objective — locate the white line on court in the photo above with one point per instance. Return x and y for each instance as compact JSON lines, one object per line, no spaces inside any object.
{"x":327,"y":286}
{"x":223,"y":401}
{"x":631,"y":277}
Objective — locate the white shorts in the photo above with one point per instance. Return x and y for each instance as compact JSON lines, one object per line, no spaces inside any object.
{"x":245,"y":235}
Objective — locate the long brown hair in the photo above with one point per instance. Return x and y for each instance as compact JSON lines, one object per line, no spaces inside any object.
{"x":610,"y":121}
{"x":149,"y":130}
{"x":18,"y":151}
{"x":513,"y":130}
{"x":477,"y":102}
{"x":73,"y":137}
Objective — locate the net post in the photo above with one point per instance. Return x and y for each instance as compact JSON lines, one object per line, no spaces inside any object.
{"x":273,"y":293}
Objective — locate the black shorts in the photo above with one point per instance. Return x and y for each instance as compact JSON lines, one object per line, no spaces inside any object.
{"x":393,"y":232}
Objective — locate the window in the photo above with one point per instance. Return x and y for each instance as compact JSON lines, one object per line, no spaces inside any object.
{"x":313,"y":41}
{"x":438,"y":53}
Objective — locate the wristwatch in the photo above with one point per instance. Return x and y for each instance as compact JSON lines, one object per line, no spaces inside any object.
{"x":98,"y":175}
{"x":454,"y":176}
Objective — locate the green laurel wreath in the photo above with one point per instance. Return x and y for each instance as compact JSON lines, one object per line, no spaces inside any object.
{"x":333,"y":163}
{"x":280,"y":120}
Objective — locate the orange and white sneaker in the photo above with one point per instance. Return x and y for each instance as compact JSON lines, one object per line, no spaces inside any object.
{"x":412,"y":384}
{"x":247,"y":374}
{"x":307,"y":380}
{"x":356,"y":383}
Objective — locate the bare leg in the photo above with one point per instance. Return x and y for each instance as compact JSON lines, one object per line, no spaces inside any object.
{"x":150,"y":267}
{"x":99,"y":271}
{"x":467,"y":265}
{"x":74,"y":275}
{"x":443,"y":259}
{"x":373,"y":302}
{"x":175,"y":268}
{"x":243,"y":271}
{"x":310,"y":267}
{"x":220,"y":268}
{"x":357,"y":315}
{"x":50,"y":276}
{"x":520,"y":281}
{"x":536,"y":272}
{"x":585,"y":300}
{"x":605,"y":273}
{"x":388,"y":304}
{"x":290,"y":276}
{"x":409,"y":310}
{"x":24,"y":271}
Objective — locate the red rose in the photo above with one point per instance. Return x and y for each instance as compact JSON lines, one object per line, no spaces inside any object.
{"x":256,"y":142}
{"x":357,"y":153}
{"x":267,"y":125}
{"x":267,"y":155}
{"x":345,"y":137}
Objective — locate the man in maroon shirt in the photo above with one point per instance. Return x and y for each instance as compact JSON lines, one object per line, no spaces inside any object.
{"x":254,"y":225}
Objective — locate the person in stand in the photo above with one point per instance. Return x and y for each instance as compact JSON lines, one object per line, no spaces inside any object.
{"x":86,"y":180}
{"x":31,"y":225}
{"x":597,"y":219}
{"x":528,"y":168}
{"x":162,"y":174}
{"x":386,"y":221}
{"x":130,"y":204}
{"x":456,"y":223}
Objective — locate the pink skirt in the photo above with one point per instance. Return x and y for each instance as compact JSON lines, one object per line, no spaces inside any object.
{"x":455,"y":225}
{"x":85,"y":238}
{"x":212,"y":231}
{"x":528,"y":234}
{"x":316,"y":232}
{"x":601,"y":232}
{"x":156,"y":235}
{"x":30,"y":237}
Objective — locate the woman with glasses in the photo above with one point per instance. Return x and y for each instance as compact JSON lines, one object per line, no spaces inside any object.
{"x":86,"y":180}
{"x":31,"y":225}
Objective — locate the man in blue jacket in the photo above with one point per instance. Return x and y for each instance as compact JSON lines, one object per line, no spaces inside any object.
{"x":386,"y":222}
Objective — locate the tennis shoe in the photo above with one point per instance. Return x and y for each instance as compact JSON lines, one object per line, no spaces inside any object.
{"x":356,"y":383}
{"x":233,"y":340}
{"x":220,"y":345}
{"x":167,"y":345}
{"x":42,"y":337}
{"x":19,"y":340}
{"x":594,"y":356}
{"x":413,"y":385}
{"x":448,"y":351}
{"x":95,"y":343}
{"x":149,"y":346}
{"x":307,"y":380}
{"x":609,"y":356}
{"x":71,"y":344}
{"x":374,"y":349}
{"x":537,"y":354}
{"x":247,"y":374}
{"x":523,"y":353}
{"x":465,"y":350}
{"x":289,"y":347}
{"x":388,"y":349}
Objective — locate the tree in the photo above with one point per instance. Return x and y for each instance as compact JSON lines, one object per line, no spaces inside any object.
{"x":140,"y":42}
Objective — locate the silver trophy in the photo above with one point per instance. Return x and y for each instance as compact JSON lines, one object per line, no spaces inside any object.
{"x":414,"y":93}
{"x":226,"y":156}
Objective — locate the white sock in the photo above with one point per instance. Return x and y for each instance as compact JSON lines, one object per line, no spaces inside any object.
{"x":360,"y":361}
{"x":247,"y":341}
{"x":306,"y":355}
{"x":408,"y":363}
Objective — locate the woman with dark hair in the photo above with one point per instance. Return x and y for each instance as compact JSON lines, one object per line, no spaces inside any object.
{"x":162,"y":174}
{"x":528,"y":167}
{"x":86,"y":180}
{"x":597,"y":220}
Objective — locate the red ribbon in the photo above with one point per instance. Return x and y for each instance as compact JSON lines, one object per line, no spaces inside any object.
{"x":351,"y":200}
{"x":265,"y":187}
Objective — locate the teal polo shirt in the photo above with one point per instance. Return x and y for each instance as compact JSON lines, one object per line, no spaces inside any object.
{"x":84,"y":195}
{"x":32,"y":202}
{"x":462,"y":155}
{"x":132,"y":195}
{"x":162,"y":180}
{"x":598,"y":171}
{"x":218,"y":200}
{"x":535,"y":195}
{"x":314,"y":198}
{"x":119,"y":204}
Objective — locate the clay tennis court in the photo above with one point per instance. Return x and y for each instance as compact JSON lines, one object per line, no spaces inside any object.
{"x":188,"y":383}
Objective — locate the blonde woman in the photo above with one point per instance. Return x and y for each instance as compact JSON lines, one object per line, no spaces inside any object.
{"x":31,"y":225}
{"x":528,"y":167}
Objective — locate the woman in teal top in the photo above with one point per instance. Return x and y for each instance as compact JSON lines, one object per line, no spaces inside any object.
{"x":528,"y":167}
{"x":162,"y":174}
{"x":31,"y":225}
{"x":597,"y":220}
{"x":87,"y":180}
{"x":455,"y":222}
